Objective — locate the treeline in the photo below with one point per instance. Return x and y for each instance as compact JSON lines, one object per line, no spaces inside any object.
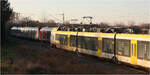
{"x":6,"y":12}
{"x":17,"y":20}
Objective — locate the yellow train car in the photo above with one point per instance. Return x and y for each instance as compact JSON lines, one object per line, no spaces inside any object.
{"x":129,"y":48}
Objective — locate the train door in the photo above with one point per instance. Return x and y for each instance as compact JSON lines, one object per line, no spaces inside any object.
{"x":68,"y":40}
{"x":133,"y":52}
{"x":99,"y":43}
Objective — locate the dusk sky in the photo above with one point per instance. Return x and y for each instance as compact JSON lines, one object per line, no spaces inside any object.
{"x":111,"y":11}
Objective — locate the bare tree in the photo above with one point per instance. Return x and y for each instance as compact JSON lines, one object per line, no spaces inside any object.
{"x":25,"y":21}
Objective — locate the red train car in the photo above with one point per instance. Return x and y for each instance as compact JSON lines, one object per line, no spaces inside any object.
{"x":45,"y":33}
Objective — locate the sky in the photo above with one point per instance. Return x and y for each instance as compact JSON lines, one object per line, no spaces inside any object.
{"x":110,"y":11}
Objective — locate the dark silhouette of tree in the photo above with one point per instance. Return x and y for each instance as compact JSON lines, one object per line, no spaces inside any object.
{"x":6,"y":12}
{"x":103,"y":25}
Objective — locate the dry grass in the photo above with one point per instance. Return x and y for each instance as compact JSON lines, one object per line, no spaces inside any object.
{"x":27,"y":60}
{"x":51,"y":61}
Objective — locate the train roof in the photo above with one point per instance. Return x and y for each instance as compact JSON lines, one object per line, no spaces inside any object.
{"x":13,"y":28}
{"x":25,"y":28}
{"x":47,"y":28}
{"x":89,"y":28}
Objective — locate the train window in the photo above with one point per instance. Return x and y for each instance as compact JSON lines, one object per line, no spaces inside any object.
{"x":108,"y":45}
{"x":73,"y":41}
{"x":93,"y":43}
{"x":82,"y":42}
{"x":123,"y":47}
{"x":62,"y":39}
{"x":89,"y":43}
{"x":57,"y":37}
{"x":126,"y":48}
{"x":148,"y":51}
{"x":141,"y":49}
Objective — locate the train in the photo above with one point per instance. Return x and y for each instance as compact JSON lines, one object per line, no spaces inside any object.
{"x":133,"y":49}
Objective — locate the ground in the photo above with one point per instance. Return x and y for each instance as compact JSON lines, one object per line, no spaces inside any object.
{"x":23,"y":56}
